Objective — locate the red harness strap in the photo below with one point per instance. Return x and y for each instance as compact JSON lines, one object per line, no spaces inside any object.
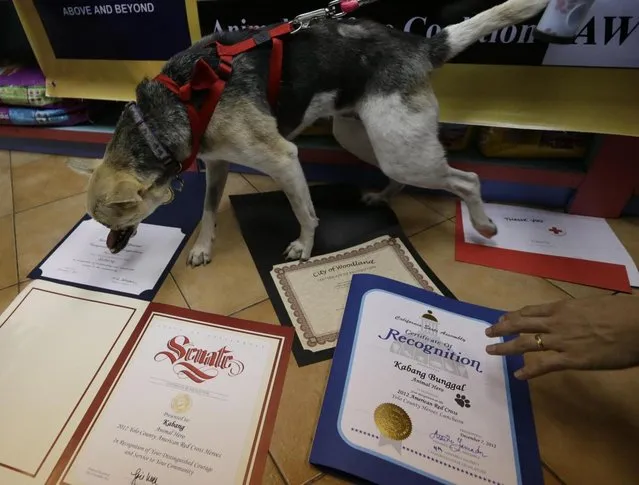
{"x":204,"y":77}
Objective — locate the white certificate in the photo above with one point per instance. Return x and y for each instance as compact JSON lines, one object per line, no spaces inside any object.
{"x":57,"y":345}
{"x":190,"y":405}
{"x":421,"y":392}
{"x":314,"y":292}
{"x":84,"y":258}
{"x":553,"y":234}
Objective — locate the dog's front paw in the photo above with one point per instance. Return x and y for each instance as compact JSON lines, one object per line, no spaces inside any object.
{"x":374,"y":198}
{"x":297,"y":250}
{"x":200,"y":255}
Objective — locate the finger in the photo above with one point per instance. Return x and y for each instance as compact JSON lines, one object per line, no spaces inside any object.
{"x":545,"y":310}
{"x":550,"y":362}
{"x":510,"y":324}
{"x":523,"y":344}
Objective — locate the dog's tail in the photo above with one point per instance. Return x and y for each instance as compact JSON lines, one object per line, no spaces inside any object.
{"x":455,"y":38}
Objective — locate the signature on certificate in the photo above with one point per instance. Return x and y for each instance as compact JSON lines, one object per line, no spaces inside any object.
{"x":457,"y":444}
{"x":139,"y":476}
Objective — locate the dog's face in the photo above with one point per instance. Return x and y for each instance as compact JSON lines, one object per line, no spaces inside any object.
{"x":119,"y":196}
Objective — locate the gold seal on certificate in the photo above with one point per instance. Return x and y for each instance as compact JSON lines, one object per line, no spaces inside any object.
{"x":181,"y":403}
{"x":393,"y":422}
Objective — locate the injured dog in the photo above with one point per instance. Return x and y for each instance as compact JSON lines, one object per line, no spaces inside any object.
{"x":332,"y":68}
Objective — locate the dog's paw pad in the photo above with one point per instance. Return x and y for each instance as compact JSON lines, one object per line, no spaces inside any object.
{"x":374,"y":198}
{"x":199,"y":256}
{"x":296,"y":250}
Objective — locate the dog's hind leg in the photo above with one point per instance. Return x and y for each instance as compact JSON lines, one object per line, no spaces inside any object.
{"x":351,"y":134}
{"x":403,"y":132}
{"x":466,"y":186}
{"x":383,"y":197}
{"x":216,"y":174}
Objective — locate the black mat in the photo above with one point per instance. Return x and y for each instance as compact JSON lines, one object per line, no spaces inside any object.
{"x":268,"y":225}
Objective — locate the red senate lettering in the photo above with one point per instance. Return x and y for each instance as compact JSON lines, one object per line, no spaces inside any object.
{"x":199,"y":365}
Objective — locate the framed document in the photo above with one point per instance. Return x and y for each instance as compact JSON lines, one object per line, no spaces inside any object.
{"x":140,"y":393}
{"x":351,"y":232}
{"x":413,"y":398}
{"x":82,"y":258}
{"x":314,"y":292}
{"x":59,"y":343}
{"x":93,"y":50}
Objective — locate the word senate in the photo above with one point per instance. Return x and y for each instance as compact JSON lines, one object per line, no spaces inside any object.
{"x":616,"y":30}
{"x":430,"y":349}
{"x":198,"y":365}
{"x":118,"y":8}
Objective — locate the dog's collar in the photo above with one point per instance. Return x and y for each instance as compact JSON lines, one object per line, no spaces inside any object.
{"x":155,"y":145}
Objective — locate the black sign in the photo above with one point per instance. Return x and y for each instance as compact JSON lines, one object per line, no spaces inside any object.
{"x":609,"y":37}
{"x":115,"y":29}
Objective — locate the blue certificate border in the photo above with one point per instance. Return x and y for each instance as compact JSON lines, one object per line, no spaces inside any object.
{"x":331,"y":450}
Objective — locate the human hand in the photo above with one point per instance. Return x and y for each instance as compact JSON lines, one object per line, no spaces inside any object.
{"x":590,"y":333}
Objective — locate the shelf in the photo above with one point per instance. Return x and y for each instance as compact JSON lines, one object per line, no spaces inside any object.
{"x":325,"y":150}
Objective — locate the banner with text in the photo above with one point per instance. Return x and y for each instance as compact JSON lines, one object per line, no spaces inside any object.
{"x":507,"y":78}
{"x":102,"y":48}
{"x":609,"y":37}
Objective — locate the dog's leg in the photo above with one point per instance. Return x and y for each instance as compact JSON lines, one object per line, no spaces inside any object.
{"x":351,"y":134}
{"x":403,"y":132}
{"x":466,"y":186}
{"x":216,"y":175}
{"x":287,"y":173}
{"x":278,"y":159}
{"x":250,"y":137}
{"x":391,"y":190}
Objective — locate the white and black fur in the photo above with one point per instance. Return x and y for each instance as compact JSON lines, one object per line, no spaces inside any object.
{"x":349,"y":67}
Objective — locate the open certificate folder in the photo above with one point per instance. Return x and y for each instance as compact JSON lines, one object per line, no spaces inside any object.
{"x":82,"y":258}
{"x":413,"y":398}
{"x":104,"y":389}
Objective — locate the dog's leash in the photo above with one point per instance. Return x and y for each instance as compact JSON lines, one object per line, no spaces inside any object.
{"x":336,"y":9}
{"x":206,"y":78}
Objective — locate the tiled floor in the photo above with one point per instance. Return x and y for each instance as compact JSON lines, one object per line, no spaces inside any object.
{"x":587,"y":423}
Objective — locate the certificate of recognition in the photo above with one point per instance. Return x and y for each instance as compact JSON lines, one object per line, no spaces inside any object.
{"x":193,"y":402}
{"x":414,"y":398}
{"x":314,"y":292}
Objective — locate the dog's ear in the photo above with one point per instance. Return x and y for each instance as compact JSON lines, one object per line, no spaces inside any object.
{"x":83,"y":166}
{"x":126,"y":192}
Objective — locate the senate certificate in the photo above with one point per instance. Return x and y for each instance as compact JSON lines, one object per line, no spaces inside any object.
{"x":192,"y":400}
{"x":422,"y":393}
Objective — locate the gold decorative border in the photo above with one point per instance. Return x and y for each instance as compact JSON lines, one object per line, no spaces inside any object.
{"x":301,"y":322}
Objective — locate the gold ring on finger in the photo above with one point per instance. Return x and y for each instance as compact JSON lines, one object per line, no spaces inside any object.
{"x":540,"y":342}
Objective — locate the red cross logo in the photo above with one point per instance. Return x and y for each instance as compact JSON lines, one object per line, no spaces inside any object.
{"x":556,"y":231}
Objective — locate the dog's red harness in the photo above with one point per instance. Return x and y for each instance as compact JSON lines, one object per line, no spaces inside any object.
{"x":214,"y":80}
